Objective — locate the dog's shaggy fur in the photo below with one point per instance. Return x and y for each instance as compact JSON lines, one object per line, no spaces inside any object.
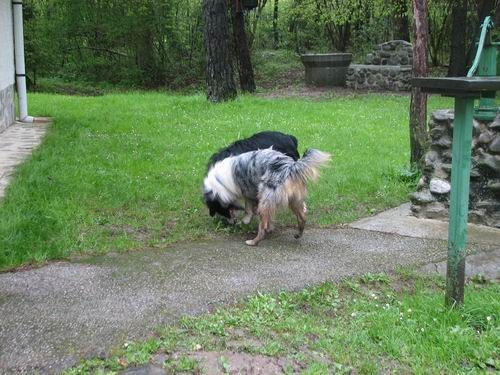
{"x":263,"y":181}
{"x":284,"y":143}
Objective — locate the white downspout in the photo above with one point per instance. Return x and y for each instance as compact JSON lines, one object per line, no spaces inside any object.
{"x":17,"y":7}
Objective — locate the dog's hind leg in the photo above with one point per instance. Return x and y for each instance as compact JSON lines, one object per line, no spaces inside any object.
{"x":299,"y":209}
{"x":249,"y":212}
{"x":265,"y":217}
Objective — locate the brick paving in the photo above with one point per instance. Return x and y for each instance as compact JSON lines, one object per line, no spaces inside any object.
{"x":17,"y":143}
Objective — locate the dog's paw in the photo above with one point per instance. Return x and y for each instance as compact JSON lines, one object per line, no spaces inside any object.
{"x":251,"y":243}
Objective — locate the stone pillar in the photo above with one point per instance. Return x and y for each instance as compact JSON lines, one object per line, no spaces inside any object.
{"x":431,"y":200}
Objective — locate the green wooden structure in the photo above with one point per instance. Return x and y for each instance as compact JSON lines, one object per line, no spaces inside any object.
{"x":465,"y":90}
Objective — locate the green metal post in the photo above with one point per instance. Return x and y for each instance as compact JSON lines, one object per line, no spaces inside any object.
{"x":459,"y":200}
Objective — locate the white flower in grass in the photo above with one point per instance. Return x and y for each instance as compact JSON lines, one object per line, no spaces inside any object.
{"x":422,"y":329}
{"x":488,"y":318}
{"x":409,"y":311}
{"x":353,"y":314}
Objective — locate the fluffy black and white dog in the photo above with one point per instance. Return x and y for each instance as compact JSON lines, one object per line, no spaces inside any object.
{"x":263,"y":181}
{"x":284,"y":143}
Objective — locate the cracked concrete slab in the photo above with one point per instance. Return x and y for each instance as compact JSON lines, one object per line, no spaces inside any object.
{"x":486,"y":264}
{"x":399,"y":221}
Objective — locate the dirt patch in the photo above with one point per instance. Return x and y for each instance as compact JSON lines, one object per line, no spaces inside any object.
{"x":241,"y":340}
{"x":140,"y":234}
{"x":286,"y":79}
{"x":303,"y":91}
{"x":229,"y":362}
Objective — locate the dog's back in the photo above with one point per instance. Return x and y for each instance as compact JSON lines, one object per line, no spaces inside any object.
{"x":269,"y":170}
{"x":284,"y":143}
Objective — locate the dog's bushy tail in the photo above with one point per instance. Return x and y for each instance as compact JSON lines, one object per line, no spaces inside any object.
{"x":307,"y":168}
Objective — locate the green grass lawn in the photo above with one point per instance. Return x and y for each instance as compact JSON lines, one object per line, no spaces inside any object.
{"x":377,"y":324}
{"x":123,"y":171}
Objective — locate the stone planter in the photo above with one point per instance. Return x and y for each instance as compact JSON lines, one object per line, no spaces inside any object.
{"x":326,"y":69}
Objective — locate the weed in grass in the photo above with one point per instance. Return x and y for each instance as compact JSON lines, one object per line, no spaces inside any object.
{"x":372,"y":278}
{"x":399,"y":332}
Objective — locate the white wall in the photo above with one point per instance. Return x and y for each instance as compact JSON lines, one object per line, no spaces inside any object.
{"x":6,"y":45}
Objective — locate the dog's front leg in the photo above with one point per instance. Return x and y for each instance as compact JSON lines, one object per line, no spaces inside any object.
{"x":265,"y":219}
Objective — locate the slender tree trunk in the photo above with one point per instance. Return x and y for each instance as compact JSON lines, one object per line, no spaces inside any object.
{"x":276,"y":36}
{"x":497,"y":14}
{"x":219,"y":71}
{"x":458,"y":35}
{"x":484,"y":8}
{"x":245,"y":69}
{"x":255,"y":23}
{"x":401,"y":21}
{"x":145,"y":57}
{"x":418,"y":105}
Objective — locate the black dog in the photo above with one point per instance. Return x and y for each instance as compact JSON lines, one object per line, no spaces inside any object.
{"x":284,"y":143}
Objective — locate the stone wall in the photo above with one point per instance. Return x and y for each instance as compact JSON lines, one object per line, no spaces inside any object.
{"x":395,"y":52}
{"x":431,"y":200}
{"x":7,"y":110}
{"x":379,"y":77}
{"x":387,"y":67}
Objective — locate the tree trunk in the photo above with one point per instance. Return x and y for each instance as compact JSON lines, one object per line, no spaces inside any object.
{"x":497,"y":15}
{"x":145,"y":57}
{"x":484,"y":8}
{"x":219,"y":71}
{"x":458,"y":35}
{"x":245,"y":69}
{"x":276,"y":37}
{"x":255,"y":23}
{"x":401,"y":21}
{"x":418,"y":105}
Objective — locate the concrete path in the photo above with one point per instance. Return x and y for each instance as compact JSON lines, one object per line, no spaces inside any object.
{"x":16,"y":144}
{"x":400,"y":221}
{"x":55,"y":315}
